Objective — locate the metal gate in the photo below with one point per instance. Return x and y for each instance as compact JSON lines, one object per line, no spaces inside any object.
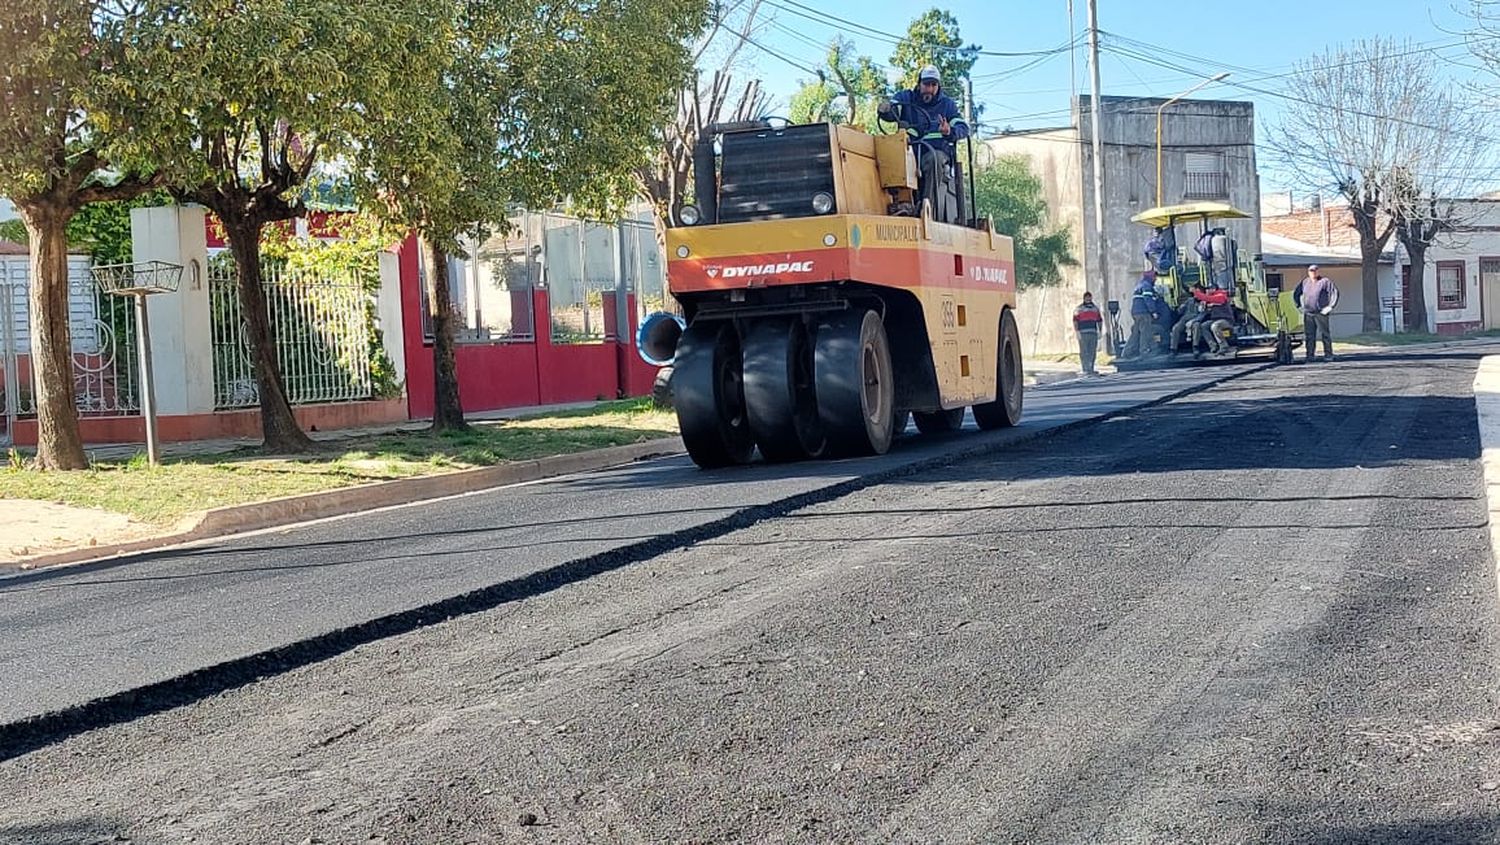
{"x":323,"y":329}
{"x":102,"y":330}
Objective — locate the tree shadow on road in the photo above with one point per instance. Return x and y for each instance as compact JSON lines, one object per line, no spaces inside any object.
{"x":66,"y":832}
{"x":1460,"y":831}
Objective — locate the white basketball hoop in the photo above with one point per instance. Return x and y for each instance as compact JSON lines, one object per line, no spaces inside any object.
{"x":138,"y":278}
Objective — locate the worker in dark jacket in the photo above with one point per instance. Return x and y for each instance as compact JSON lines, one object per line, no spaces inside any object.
{"x":1316,"y":295}
{"x":1146,"y":308}
{"x":934,"y":128}
{"x":931,"y":115}
{"x":1087,"y":321}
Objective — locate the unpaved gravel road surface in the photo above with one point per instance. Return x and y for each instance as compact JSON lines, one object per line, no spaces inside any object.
{"x":1264,"y":612}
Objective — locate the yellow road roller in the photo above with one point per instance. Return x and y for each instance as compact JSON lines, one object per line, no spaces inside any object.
{"x":822,"y":302}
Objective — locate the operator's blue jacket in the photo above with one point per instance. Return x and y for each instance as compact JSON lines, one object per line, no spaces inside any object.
{"x":923,"y":117}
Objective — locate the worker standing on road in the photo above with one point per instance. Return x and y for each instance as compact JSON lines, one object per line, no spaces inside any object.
{"x":1316,"y":295}
{"x":1087,"y":320}
{"x":1145,"y":312}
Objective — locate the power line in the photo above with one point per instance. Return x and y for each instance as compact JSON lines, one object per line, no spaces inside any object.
{"x":768,"y":51}
{"x":1264,"y":74}
{"x":1464,"y":175}
{"x":1019,"y":69}
{"x":1290,"y":97}
{"x":803,"y":37}
{"x":819,"y":16}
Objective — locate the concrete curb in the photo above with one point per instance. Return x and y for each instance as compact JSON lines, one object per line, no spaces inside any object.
{"x":1487,"y":406}
{"x":254,"y":516}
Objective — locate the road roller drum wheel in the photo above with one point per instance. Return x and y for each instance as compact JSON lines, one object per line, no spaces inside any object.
{"x":1005,"y":411}
{"x":779,"y":399}
{"x":855,"y":385}
{"x":708,"y":391}
{"x":939,"y":422}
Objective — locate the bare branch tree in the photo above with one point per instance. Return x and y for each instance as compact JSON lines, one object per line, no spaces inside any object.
{"x":1376,"y":123}
{"x":700,"y":103}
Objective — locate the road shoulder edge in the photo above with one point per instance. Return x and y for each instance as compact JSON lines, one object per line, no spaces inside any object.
{"x":1487,"y":408}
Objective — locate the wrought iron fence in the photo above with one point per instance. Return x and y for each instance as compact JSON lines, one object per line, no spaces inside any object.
{"x":322,"y":332}
{"x":102,"y":331}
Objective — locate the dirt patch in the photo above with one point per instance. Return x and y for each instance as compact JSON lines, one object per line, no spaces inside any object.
{"x":35,"y":528}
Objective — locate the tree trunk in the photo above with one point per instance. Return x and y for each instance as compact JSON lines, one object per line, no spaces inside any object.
{"x":278,"y":425}
{"x":59,"y":441}
{"x":447,"y":411}
{"x":1369,"y":276}
{"x":1416,"y":310}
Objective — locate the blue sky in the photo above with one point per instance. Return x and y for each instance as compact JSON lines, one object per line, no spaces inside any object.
{"x":1255,"y":41}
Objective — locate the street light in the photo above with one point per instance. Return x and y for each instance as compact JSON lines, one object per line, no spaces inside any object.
{"x":1216,"y":78}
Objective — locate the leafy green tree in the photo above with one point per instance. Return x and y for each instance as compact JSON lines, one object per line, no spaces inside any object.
{"x":933,"y":39}
{"x":862,"y":82}
{"x":542,"y":104}
{"x":264,"y":92}
{"x":816,"y":102}
{"x":857,"y":79}
{"x":1009,"y":192}
{"x":73,"y":95}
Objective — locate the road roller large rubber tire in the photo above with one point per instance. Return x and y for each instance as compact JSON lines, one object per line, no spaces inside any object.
{"x":939,"y":422}
{"x":1005,"y":411}
{"x":855,"y":383}
{"x":779,"y":399}
{"x":708,"y":391}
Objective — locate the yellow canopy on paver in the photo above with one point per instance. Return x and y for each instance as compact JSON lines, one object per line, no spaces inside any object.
{"x":1186,"y":212}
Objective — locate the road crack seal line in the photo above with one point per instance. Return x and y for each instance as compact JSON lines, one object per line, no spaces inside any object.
{"x":36,"y":732}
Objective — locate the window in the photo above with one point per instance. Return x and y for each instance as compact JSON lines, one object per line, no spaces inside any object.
{"x":1274,"y":281}
{"x":491,"y":292}
{"x":580,"y":273}
{"x":1450,"y":286}
{"x":1206,"y":177}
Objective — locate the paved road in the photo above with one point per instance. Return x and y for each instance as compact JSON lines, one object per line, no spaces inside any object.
{"x":1282,"y":628}
{"x":76,"y":635}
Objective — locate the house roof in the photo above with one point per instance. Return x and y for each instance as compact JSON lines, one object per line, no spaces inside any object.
{"x":1280,"y":251}
{"x":13,"y":248}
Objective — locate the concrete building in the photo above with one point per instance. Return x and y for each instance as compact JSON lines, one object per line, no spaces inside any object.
{"x":1208,"y":153}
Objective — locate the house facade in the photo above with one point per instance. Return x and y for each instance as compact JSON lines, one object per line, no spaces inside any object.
{"x":1286,"y":261}
{"x":1207,"y":153}
{"x":1461,"y":278}
{"x":1461,"y":272}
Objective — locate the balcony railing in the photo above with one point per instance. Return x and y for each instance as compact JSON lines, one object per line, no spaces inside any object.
{"x":1207,"y":186}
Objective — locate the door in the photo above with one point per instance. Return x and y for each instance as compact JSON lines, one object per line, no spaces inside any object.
{"x":1489,"y":286}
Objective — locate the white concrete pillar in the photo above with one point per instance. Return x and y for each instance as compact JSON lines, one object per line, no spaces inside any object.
{"x":181,"y":338}
{"x":388,"y":311}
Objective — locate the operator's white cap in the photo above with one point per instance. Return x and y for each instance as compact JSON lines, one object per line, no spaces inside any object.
{"x":927,"y":73}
